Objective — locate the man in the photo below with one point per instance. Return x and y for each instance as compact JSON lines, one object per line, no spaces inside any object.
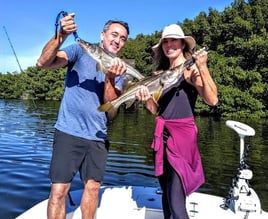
{"x":80,"y":139}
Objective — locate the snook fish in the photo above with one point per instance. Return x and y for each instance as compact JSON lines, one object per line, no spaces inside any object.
{"x":104,"y":59}
{"x":156,"y":84}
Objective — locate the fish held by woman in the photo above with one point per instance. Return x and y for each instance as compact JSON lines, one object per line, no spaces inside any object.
{"x":156,"y":85}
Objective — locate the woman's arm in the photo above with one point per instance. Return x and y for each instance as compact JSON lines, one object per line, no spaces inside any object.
{"x":200,"y":78}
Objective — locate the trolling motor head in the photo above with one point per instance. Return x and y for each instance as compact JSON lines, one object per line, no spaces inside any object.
{"x":240,"y":128}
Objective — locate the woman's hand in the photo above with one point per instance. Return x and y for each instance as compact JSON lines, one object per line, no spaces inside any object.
{"x":143,"y":93}
{"x":201,"y":57}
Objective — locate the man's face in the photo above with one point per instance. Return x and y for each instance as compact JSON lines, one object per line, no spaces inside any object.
{"x":114,"y":39}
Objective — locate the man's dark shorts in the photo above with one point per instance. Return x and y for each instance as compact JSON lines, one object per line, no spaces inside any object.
{"x":72,"y":154}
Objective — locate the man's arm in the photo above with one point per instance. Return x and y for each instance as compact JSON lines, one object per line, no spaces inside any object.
{"x":118,"y":68}
{"x":110,"y":90}
{"x":51,"y":56}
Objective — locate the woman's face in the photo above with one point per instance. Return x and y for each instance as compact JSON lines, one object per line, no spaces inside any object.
{"x":172,"y":48}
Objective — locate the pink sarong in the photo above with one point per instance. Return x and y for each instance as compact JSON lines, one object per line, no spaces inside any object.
{"x":182,"y":151}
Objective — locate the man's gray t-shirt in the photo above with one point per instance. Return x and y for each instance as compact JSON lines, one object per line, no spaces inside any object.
{"x":84,"y":89}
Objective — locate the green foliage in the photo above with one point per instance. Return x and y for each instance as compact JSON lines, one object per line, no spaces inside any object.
{"x":33,"y":84}
{"x":11,"y":86}
{"x":140,"y":50}
{"x":237,"y":41}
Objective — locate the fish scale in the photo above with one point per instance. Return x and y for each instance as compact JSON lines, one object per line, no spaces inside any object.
{"x":104,"y":59}
{"x":156,"y":84}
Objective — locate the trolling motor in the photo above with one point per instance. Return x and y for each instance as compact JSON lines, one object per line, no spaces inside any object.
{"x":242,"y":198}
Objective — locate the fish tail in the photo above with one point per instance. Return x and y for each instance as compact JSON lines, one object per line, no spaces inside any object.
{"x":105,"y":107}
{"x":110,"y":109}
{"x":112,"y":113}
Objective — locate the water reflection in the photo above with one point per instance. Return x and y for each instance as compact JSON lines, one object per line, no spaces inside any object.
{"x":26,"y":130}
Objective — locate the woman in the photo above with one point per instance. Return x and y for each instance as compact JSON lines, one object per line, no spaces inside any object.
{"x":177,"y":160}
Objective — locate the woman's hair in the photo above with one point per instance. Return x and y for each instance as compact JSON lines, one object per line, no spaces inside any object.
{"x":161,"y":62}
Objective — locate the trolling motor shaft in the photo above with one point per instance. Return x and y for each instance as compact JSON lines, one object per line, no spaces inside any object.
{"x":242,"y":198}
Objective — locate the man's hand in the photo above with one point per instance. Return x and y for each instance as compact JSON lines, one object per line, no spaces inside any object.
{"x":68,"y":25}
{"x":117,"y":68}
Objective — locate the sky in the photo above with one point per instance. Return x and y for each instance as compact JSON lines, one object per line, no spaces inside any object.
{"x":26,"y":26}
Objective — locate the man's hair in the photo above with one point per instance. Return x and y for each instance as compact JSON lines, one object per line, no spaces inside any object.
{"x":109,"y":22}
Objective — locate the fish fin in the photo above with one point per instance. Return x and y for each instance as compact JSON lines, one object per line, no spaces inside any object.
{"x":110,"y":109}
{"x":98,"y":67}
{"x":129,"y":103}
{"x":105,"y":107}
{"x":112,"y":113}
{"x":127,"y":84}
{"x":157,"y":94}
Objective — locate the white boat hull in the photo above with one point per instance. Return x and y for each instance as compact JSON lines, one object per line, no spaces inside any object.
{"x":138,"y":202}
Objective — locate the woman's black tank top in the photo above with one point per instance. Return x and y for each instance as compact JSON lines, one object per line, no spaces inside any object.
{"x":178,"y":101}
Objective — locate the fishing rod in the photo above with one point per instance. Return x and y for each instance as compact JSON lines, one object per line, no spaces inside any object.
{"x":25,"y":81}
{"x":12,"y":48}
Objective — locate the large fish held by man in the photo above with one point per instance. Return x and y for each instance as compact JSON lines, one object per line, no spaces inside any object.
{"x":104,"y":59}
{"x":156,"y":84}
{"x":101,"y":56}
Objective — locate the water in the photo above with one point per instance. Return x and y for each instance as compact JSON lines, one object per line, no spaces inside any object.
{"x":26,"y":131}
